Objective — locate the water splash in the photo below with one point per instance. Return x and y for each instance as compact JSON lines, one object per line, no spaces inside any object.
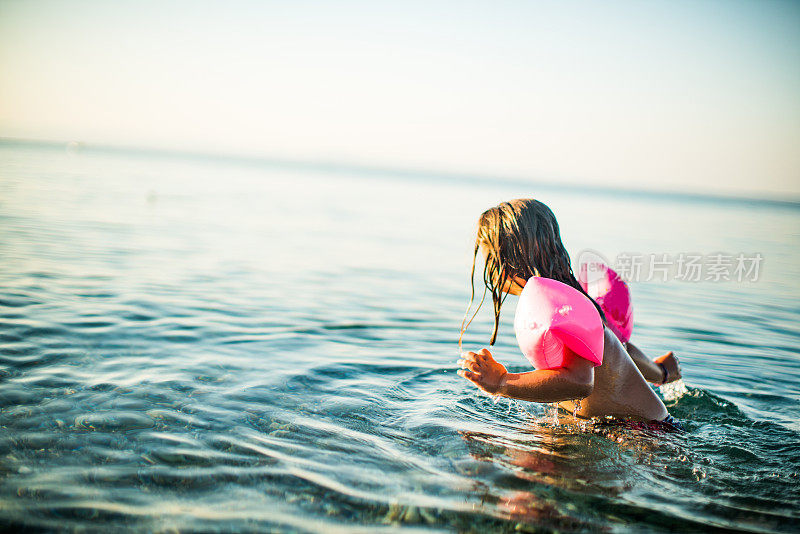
{"x":511,"y":402}
{"x":577,"y":408}
{"x":674,"y":390}
{"x":511,"y":405}
{"x":551,"y":412}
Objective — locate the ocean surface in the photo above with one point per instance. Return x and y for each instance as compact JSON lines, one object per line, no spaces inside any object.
{"x":212,"y":345}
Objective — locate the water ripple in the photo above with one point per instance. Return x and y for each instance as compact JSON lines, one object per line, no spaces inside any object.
{"x":233,"y":359}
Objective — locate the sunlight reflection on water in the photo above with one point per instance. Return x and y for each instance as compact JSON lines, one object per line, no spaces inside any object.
{"x":196,"y":345}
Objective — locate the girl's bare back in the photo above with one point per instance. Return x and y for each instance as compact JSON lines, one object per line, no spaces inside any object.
{"x":620,"y":390}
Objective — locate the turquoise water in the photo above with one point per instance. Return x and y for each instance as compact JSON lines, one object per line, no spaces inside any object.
{"x":200,"y":345}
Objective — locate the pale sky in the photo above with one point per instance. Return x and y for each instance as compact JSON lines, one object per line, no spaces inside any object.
{"x":679,"y":95}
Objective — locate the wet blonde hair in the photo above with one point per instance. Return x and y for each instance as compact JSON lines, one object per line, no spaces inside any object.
{"x":521,"y":239}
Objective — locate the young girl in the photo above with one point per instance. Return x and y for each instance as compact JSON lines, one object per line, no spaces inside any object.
{"x":520,"y":239}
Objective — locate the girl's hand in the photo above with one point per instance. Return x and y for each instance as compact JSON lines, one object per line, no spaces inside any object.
{"x":482,"y":370}
{"x":673,"y":366}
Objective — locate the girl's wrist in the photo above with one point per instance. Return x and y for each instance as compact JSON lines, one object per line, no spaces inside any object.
{"x":664,"y":373}
{"x":502,"y":388}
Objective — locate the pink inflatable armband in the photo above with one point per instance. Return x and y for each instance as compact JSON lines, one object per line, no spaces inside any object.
{"x":612,"y":294}
{"x":553,"y":317}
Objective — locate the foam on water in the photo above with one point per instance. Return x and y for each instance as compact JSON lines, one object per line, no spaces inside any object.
{"x":673,"y":391}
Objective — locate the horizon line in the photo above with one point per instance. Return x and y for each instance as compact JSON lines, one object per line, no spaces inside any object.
{"x":334,"y":166}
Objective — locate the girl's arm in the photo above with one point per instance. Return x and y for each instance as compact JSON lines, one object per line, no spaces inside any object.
{"x":652,"y":370}
{"x":575,"y":381}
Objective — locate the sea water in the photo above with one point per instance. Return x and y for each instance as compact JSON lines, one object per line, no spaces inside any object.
{"x":205,"y":344}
